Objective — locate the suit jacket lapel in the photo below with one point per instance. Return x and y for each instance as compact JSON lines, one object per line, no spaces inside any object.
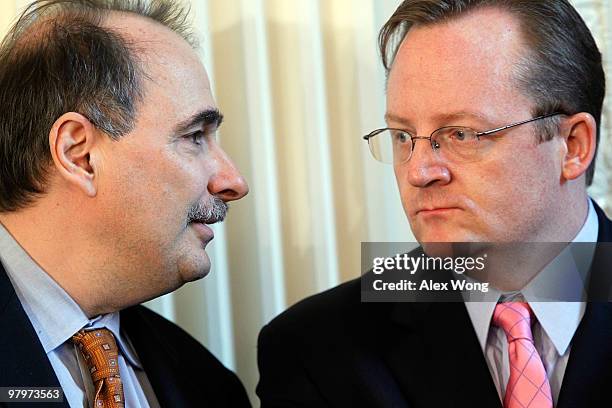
{"x":435,"y":349}
{"x":605,"y":225}
{"x":24,"y":362}
{"x":158,"y":359}
{"x":588,"y":374}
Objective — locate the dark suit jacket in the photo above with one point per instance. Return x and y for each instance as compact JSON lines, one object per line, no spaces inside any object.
{"x":181,"y":371}
{"x":332,"y":350}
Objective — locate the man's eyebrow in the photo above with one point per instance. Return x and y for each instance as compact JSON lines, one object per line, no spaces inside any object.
{"x":203,"y":118}
{"x":391,"y":117}
{"x":450,"y":118}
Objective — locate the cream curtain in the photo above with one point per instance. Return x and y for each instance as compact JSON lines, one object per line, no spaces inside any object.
{"x":299,"y":82}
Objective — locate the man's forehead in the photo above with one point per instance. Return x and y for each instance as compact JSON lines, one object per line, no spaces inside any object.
{"x":467,"y":64}
{"x":481,"y":29}
{"x":150,"y":40}
{"x":481,"y":37}
{"x":175,"y":83}
{"x":135,"y":27}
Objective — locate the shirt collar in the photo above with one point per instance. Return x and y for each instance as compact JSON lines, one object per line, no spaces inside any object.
{"x":54,"y":315}
{"x":558,"y":319}
{"x":111,"y":322}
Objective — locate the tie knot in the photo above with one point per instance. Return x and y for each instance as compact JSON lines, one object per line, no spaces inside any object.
{"x":100,"y":351}
{"x":515,"y":319}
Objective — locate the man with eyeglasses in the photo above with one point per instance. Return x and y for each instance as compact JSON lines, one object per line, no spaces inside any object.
{"x":493,"y":117}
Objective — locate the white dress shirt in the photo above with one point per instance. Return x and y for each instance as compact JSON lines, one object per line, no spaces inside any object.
{"x":556,"y":322}
{"x":55,"y":317}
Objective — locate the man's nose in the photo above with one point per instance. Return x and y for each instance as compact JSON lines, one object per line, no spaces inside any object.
{"x":227,"y":183}
{"x":425,"y":166}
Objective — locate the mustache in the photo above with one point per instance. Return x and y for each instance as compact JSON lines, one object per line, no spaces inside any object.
{"x":209,"y":212}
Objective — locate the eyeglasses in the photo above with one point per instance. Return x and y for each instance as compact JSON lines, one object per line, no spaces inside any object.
{"x":454,"y":143}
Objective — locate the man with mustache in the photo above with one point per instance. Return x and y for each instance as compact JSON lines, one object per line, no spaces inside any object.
{"x":110,"y":173}
{"x":493,"y":116}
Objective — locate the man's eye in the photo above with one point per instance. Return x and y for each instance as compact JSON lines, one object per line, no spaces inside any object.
{"x":400,"y":137}
{"x":461,"y":135}
{"x":196,"y":137}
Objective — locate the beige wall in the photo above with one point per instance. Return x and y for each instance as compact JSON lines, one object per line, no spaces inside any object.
{"x":299,"y":82}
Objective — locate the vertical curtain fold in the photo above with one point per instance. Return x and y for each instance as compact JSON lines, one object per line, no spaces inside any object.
{"x":299,"y":83}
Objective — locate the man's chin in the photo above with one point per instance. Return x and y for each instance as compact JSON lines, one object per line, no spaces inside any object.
{"x":441,"y":236}
{"x":454,"y":248}
{"x":447,"y":235}
{"x":194,"y":267}
{"x":200,"y":272}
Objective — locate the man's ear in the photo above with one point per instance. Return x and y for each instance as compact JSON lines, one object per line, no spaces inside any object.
{"x":579,"y":132}
{"x":71,"y":140}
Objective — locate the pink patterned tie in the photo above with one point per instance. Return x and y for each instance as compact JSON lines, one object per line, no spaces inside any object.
{"x":528,"y":386}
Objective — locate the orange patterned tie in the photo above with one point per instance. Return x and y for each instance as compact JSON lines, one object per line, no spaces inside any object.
{"x":101,"y":355}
